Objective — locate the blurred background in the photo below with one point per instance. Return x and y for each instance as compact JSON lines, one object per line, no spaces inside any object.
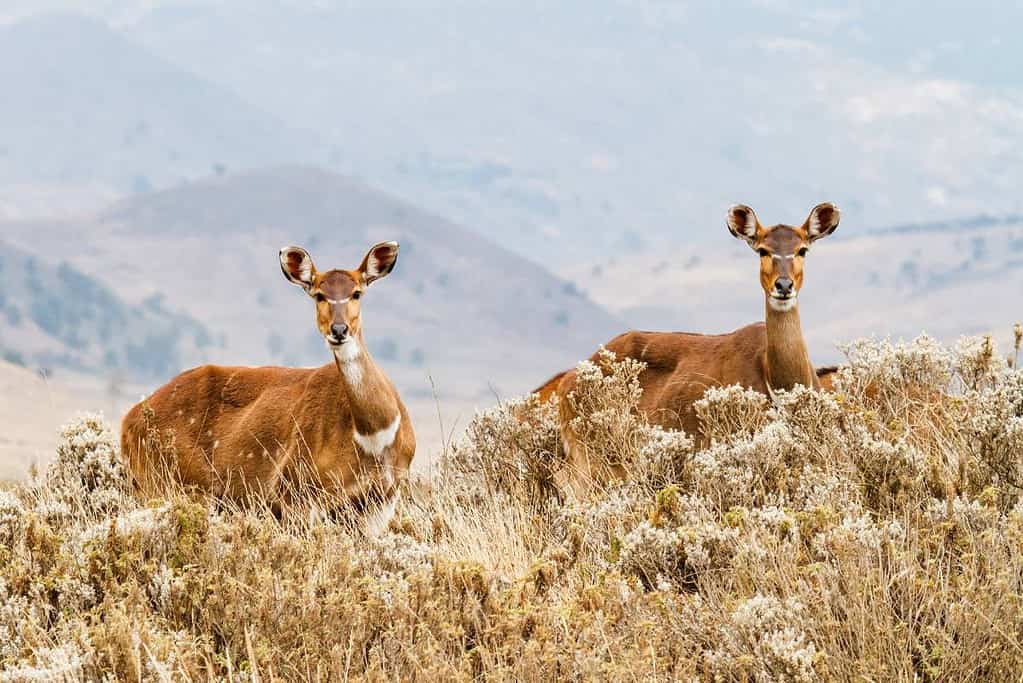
{"x":555,"y":172}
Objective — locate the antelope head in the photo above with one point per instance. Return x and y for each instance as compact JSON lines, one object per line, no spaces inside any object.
{"x":782,"y":249}
{"x":338,"y":293}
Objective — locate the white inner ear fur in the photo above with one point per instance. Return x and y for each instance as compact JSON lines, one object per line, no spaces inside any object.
{"x":748,"y":228}
{"x":815,"y":229}
{"x":815,"y":224}
{"x":305,"y":267}
{"x":751,"y":224}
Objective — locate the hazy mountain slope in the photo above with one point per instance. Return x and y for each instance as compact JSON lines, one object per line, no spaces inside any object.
{"x":54,"y":316}
{"x":457,"y":306}
{"x":84,"y":105}
{"x":581,"y":128}
{"x":945,"y":278}
{"x":565,"y":131}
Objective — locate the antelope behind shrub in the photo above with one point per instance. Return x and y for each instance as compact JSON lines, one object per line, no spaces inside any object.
{"x":680,"y":366}
{"x":340,"y":429}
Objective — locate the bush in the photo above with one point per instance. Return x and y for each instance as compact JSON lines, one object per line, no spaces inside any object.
{"x":870,"y":534}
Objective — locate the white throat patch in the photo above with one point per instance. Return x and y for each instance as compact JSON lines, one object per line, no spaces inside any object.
{"x":782,"y":305}
{"x":375,"y":444}
{"x":347,"y":354}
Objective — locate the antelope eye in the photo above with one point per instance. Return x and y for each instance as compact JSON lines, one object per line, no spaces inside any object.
{"x":763,"y":252}
{"x":357,"y":295}
{"x":801,"y":252}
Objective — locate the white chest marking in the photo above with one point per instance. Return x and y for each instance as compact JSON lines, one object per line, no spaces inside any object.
{"x":375,"y":444}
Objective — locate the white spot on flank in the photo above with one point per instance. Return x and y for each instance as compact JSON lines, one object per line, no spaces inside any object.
{"x":375,"y":444}
{"x":377,"y":518}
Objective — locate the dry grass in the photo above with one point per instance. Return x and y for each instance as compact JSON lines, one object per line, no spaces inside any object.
{"x":873,"y":534}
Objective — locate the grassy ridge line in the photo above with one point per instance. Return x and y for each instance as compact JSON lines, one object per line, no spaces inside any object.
{"x":873,"y":534}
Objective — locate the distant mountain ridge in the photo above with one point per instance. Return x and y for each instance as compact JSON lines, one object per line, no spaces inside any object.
{"x":84,"y":104}
{"x":475,"y":316}
{"x":55,"y":316}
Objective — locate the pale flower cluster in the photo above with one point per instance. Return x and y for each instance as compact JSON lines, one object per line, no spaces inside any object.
{"x":12,"y":518}
{"x":764,"y":642}
{"x":873,"y":533}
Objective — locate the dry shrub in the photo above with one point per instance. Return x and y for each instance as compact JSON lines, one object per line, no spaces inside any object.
{"x":873,"y":534}
{"x":729,"y":412}
{"x":604,"y":419}
{"x":515,"y":448}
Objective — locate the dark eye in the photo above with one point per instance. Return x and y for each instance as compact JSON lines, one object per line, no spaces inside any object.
{"x":801,"y":252}
{"x":319,"y":297}
{"x":763,"y":252}
{"x":356,"y":295}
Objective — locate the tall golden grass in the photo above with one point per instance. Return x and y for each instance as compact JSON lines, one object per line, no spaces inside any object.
{"x":870,"y":534}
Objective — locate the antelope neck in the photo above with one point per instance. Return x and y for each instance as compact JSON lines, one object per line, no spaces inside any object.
{"x":788,"y":362}
{"x":371,"y":398}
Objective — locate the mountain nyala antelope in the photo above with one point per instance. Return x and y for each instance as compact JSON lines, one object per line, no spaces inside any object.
{"x":341,"y":429}
{"x":680,"y":366}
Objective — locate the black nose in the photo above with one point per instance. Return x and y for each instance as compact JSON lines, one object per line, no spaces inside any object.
{"x":783,"y":285}
{"x":339,"y":330}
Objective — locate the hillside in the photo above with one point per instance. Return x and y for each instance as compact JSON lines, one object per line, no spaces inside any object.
{"x":949,"y":278}
{"x":85,"y":106}
{"x":476,"y":317}
{"x":55,"y":316}
{"x":32,"y":409}
{"x":586,"y":128}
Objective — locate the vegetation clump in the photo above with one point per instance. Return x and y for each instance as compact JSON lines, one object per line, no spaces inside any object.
{"x":873,"y":533}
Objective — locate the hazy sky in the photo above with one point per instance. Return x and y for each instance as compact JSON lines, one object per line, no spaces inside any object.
{"x":584,"y":127}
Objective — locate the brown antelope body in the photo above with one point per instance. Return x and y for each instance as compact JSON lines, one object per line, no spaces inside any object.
{"x":680,"y":366}
{"x":341,"y":428}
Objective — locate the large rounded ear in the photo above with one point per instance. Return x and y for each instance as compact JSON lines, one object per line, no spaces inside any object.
{"x":379,"y":261}
{"x":823,"y":221}
{"x":743,"y":223}
{"x":298,"y":266}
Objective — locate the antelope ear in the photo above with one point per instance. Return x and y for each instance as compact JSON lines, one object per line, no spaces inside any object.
{"x":298,"y":266}
{"x":823,"y":221}
{"x":743,"y":223}
{"x":379,"y":261}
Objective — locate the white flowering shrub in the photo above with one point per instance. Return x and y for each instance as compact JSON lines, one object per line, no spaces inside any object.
{"x":12,"y":519}
{"x":87,"y":472}
{"x":515,"y":448}
{"x":872,"y":533}
{"x":727,"y":412}
{"x":603,"y":409}
{"x":764,"y":639}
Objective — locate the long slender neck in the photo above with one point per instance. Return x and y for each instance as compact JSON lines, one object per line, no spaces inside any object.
{"x":371,"y":396}
{"x":788,"y":362}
